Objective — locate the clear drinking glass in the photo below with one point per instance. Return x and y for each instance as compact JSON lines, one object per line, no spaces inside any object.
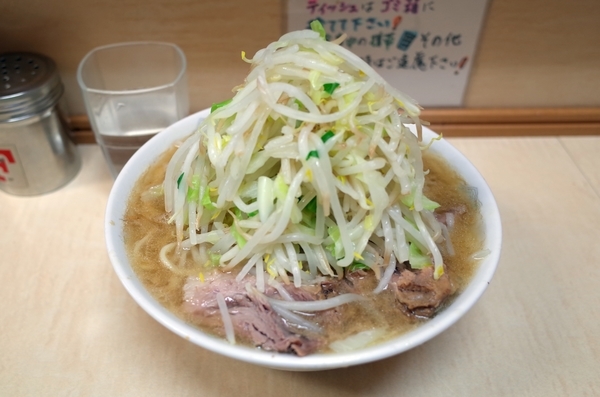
{"x":132,"y":91}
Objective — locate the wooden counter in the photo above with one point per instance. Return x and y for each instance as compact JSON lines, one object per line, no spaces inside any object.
{"x":68,"y":327}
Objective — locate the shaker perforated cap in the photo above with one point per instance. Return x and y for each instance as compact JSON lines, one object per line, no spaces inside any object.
{"x":29,"y":84}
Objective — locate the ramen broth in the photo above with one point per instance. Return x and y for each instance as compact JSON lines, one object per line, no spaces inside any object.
{"x":147,"y":231}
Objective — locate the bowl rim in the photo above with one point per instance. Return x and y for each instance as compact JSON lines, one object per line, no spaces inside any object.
{"x":148,"y":153}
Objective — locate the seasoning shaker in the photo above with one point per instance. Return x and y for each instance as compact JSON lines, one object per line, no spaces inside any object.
{"x":36,"y":153}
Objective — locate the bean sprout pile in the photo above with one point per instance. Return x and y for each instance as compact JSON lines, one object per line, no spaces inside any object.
{"x":309,"y":169}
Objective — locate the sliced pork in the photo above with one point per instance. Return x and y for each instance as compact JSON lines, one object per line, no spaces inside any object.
{"x":253,"y":318}
{"x":256,"y":322}
{"x":418,"y":293}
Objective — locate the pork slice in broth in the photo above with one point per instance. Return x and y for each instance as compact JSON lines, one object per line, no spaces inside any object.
{"x":419,"y":294}
{"x":254,"y":320}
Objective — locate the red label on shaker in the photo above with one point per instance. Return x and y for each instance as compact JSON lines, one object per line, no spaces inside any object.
{"x":11,"y":169}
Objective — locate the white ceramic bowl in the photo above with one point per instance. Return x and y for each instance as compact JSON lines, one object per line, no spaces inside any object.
{"x":116,"y":250}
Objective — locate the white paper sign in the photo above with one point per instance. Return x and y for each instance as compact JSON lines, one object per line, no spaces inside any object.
{"x":424,"y":48}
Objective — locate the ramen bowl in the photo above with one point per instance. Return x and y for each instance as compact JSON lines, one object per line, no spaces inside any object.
{"x":149,"y":153}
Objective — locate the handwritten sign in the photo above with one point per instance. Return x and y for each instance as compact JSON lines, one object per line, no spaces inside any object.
{"x":424,"y":48}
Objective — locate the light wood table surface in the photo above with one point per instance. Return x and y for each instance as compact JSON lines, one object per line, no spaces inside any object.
{"x":68,"y":327}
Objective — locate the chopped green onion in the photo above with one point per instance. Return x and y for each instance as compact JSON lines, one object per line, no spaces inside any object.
{"x":206,"y":201}
{"x":311,"y":206}
{"x":312,"y":153}
{"x":240,"y":240}
{"x":309,"y":214}
{"x":237,"y":212}
{"x":327,"y":136}
{"x":318,"y":27}
{"x":179,"y":180}
{"x":216,"y":106}
{"x":194,"y":190}
{"x":357,"y":266}
{"x":330,"y":87}
{"x":253,"y":213}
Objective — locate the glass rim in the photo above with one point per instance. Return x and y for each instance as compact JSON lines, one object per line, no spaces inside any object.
{"x":180,"y":75}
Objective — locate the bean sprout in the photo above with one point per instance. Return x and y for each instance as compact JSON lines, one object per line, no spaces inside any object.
{"x":299,"y":173}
